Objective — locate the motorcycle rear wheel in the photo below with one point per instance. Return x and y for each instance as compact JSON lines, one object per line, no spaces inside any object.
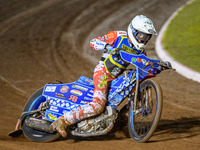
{"x":149,"y":103}
{"x":34,"y":135}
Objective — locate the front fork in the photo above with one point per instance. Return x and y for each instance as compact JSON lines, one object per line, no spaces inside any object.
{"x":133,"y":102}
{"x":136,"y":94}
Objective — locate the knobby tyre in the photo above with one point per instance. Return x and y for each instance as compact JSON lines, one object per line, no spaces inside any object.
{"x":34,"y":135}
{"x":150,"y":101}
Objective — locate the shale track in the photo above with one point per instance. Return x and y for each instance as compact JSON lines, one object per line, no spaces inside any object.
{"x":48,"y":40}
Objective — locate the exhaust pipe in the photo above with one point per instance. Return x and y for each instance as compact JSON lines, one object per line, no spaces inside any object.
{"x":38,"y":124}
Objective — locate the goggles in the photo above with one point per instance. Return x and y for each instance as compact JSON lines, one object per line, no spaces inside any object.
{"x":141,"y":37}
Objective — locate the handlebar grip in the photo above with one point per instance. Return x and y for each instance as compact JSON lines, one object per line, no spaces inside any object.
{"x":163,"y":64}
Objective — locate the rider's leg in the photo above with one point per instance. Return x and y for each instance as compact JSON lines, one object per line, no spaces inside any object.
{"x":59,"y":125}
{"x":101,"y":81}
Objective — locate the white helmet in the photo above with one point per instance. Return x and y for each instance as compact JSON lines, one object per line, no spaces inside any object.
{"x":140,"y":31}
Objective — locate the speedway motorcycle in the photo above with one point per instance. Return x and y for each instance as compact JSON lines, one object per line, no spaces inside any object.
{"x":144,"y":104}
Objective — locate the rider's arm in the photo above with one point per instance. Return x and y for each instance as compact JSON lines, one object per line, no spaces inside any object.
{"x":110,"y":38}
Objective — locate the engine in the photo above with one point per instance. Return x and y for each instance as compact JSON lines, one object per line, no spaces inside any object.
{"x":99,"y":125}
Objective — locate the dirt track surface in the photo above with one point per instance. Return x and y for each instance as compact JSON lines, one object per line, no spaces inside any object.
{"x":48,"y":40}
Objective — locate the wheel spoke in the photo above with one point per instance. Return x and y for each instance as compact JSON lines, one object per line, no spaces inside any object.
{"x":144,"y":117}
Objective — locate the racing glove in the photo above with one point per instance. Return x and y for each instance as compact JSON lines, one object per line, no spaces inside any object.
{"x":109,"y":48}
{"x":112,"y":51}
{"x":168,"y":64}
{"x":156,"y":70}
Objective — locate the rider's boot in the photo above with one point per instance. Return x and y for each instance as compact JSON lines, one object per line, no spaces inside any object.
{"x":60,"y":126}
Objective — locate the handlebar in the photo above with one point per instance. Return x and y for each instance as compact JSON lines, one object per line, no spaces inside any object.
{"x":165,"y":66}
{"x":162,"y":64}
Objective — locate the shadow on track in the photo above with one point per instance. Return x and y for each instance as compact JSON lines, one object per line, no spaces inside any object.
{"x":183,"y":128}
{"x":178,"y":129}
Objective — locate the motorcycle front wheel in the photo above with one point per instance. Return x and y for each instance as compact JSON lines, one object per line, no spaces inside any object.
{"x":34,"y":135}
{"x":143,"y":123}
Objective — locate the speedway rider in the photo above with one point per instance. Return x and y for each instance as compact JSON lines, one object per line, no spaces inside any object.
{"x":140,"y":31}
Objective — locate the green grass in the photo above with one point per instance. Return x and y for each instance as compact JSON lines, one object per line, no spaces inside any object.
{"x":182,"y":37}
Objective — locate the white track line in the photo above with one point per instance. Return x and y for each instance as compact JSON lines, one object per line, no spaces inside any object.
{"x":181,"y":69}
{"x":164,"y":56}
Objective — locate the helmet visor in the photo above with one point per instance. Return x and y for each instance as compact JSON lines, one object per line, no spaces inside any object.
{"x":142,"y":37}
